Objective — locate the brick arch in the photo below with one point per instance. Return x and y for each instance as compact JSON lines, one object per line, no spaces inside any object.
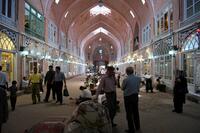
{"x":85,"y":20}
{"x":111,"y":37}
{"x":65,"y":5}
{"x":72,"y":6}
{"x":117,"y":40}
{"x":95,"y":40}
{"x":121,"y":29}
{"x":105,"y":26}
{"x":109,"y":4}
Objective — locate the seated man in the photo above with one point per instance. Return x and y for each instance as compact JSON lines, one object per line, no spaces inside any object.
{"x":92,"y":89}
{"x":24,"y":83}
{"x":85,"y":95}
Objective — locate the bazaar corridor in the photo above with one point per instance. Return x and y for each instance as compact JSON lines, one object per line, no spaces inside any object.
{"x":155,"y":112}
{"x":120,"y":44}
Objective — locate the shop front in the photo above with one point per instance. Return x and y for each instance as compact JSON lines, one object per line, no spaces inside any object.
{"x":164,"y":63}
{"x":32,"y":56}
{"x":191,"y":60}
{"x":146,"y":60}
{"x":7,"y":56}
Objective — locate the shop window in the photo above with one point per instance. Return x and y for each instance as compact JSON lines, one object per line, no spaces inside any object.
{"x":192,"y":7}
{"x":63,"y":37}
{"x":7,"y":65}
{"x":162,"y":68}
{"x":34,"y":22}
{"x":166,"y":21}
{"x":6,"y":60}
{"x":6,"y":43}
{"x":136,"y":37}
{"x":171,"y":21}
{"x":146,"y":34}
{"x":189,"y":67}
{"x":157,"y":70}
{"x":168,"y":69}
{"x":52,"y":32}
{"x":158,"y":27}
{"x":192,"y":43}
{"x":8,"y":8}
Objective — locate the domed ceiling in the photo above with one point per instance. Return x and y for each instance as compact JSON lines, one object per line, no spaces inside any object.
{"x":95,"y":25}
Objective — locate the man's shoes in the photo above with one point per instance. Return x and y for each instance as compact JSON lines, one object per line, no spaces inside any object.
{"x":114,"y":125}
{"x":129,"y":131}
{"x":46,"y":101}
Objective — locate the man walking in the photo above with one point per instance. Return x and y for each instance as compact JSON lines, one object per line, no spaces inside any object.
{"x":130,"y":86}
{"x":3,"y":107}
{"x":35,"y":80}
{"x":117,"y":75}
{"x":59,"y":78}
{"x":108,"y":85}
{"x":48,"y":81}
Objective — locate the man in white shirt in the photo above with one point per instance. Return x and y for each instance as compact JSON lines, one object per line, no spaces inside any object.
{"x":85,"y":95}
{"x":24,"y":85}
{"x":3,"y":79}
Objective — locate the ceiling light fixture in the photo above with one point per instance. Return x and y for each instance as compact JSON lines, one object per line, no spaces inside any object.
{"x":57,"y":1}
{"x":66,"y":14}
{"x":100,"y":39}
{"x":100,"y":3}
{"x":143,"y":2}
{"x":132,"y":14}
{"x":100,"y":9}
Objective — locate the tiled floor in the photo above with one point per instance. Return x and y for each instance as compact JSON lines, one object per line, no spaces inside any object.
{"x":155,"y":112}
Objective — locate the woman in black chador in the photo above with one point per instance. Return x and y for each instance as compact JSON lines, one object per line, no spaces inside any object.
{"x":180,"y":90}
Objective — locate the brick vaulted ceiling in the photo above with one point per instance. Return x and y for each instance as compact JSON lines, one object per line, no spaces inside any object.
{"x":119,"y":25}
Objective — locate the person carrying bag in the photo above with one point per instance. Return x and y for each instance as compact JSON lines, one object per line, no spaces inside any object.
{"x":65,"y":92}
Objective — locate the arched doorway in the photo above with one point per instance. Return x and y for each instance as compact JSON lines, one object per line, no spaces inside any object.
{"x":7,"y":50}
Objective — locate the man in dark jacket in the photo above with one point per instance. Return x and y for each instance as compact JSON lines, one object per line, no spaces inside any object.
{"x":49,"y":83}
{"x":180,"y":90}
{"x":3,"y":107}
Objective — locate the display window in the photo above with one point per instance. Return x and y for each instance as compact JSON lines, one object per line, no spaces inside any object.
{"x":7,"y":65}
{"x":7,"y":56}
{"x":189,"y":48}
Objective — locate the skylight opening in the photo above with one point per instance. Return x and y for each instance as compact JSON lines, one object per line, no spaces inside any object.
{"x":143,"y":2}
{"x":99,"y":10}
{"x":132,"y":14}
{"x":66,"y":14}
{"x":57,"y":1}
{"x":100,"y":30}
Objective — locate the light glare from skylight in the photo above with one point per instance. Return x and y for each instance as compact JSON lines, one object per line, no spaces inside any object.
{"x":57,"y":1}
{"x":132,"y":14}
{"x":66,"y":14}
{"x":143,"y":2}
{"x":99,"y":10}
{"x":100,"y":30}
